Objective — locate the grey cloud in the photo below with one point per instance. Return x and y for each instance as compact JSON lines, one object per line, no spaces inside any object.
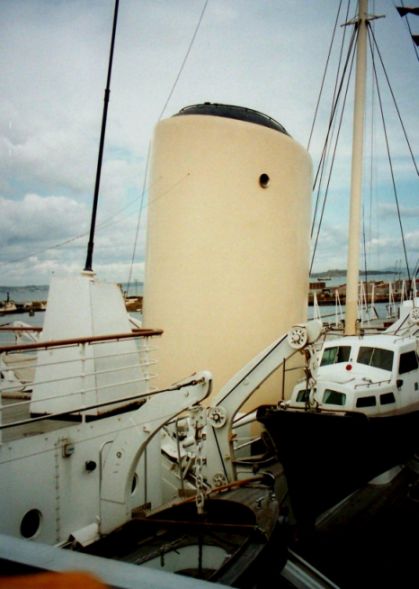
{"x":54,"y":62}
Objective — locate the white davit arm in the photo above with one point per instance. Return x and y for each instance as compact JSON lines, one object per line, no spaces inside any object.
{"x":218,"y":448}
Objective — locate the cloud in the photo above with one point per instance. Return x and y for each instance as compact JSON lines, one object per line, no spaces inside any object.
{"x":41,"y":236}
{"x":268,"y":56}
{"x":39,"y":219}
{"x":390,"y":210}
{"x":412,"y":240}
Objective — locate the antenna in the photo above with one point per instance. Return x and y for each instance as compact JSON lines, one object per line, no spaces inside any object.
{"x":90,"y":246}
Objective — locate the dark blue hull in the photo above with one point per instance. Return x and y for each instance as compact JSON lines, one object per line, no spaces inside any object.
{"x":327,"y":456}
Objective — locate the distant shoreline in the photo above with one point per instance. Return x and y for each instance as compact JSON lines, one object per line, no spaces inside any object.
{"x":133,"y":285}
{"x":334,"y":273}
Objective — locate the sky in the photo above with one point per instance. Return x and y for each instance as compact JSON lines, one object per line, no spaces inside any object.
{"x":267,"y":55}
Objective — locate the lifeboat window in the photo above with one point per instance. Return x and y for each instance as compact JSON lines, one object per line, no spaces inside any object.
{"x":408,"y":362}
{"x":387,"y":398}
{"x":366,"y":402}
{"x":303,"y":396}
{"x":377,"y":357}
{"x":335,"y":354}
{"x":333,"y":397}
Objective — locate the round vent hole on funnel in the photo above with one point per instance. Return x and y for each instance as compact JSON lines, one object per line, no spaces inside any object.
{"x":264,"y":180}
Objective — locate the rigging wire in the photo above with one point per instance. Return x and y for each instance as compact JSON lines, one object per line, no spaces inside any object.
{"x":335,"y":99}
{"x":139,"y":218}
{"x":57,"y":245}
{"x":328,"y":140}
{"x":415,"y":47}
{"x":143,"y":192}
{"x":324,"y":76}
{"x":389,"y":158}
{"x":100,"y":225}
{"x":324,"y":156}
{"x":110,"y":220}
{"x":188,"y":51}
{"x":395,"y":103}
{"x":326,"y":146}
{"x":372,"y":159}
{"x":351,"y":58}
{"x":371,"y":33}
{"x":365,"y":248}
{"x":372,"y":135}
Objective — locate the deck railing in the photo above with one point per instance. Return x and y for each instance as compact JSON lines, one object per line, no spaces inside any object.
{"x":97,"y":373}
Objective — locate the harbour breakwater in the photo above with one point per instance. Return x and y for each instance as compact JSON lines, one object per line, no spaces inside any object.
{"x":32,"y":299}
{"x":11,"y":307}
{"x":375,"y":291}
{"x":325,"y":293}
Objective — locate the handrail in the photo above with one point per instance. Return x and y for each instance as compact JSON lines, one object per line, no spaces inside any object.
{"x":16,"y":365}
{"x":12,"y":388}
{"x":141,"y":332}
{"x":105,"y":403}
{"x":368,"y":384}
{"x":20,"y":328}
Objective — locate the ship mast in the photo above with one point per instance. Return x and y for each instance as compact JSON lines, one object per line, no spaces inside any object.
{"x":89,"y":257}
{"x":356,"y":173}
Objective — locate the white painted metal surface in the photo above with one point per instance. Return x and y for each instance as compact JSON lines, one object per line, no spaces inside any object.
{"x":354,"y":375}
{"x":219,"y":437}
{"x":80,"y":470}
{"x":80,"y":307}
{"x":83,"y":473}
{"x":210,"y":432}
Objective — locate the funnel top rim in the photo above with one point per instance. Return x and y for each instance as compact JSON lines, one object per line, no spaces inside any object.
{"x":233,"y":112}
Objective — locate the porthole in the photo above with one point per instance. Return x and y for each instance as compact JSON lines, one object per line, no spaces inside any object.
{"x":30,"y":523}
{"x":134,"y":483}
{"x":264,"y":180}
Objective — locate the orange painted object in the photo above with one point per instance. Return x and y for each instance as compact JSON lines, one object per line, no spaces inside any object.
{"x":66,"y":580}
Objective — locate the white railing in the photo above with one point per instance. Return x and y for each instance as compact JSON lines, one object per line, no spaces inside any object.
{"x":86,"y":367}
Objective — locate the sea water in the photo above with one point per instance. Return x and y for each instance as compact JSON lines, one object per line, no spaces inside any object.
{"x":30,"y":293}
{"x":383,"y":309}
{"x":21,"y":294}
{"x":24,"y":294}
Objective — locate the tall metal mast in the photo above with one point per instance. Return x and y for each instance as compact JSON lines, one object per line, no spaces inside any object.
{"x":356,"y":173}
{"x":89,"y":258}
